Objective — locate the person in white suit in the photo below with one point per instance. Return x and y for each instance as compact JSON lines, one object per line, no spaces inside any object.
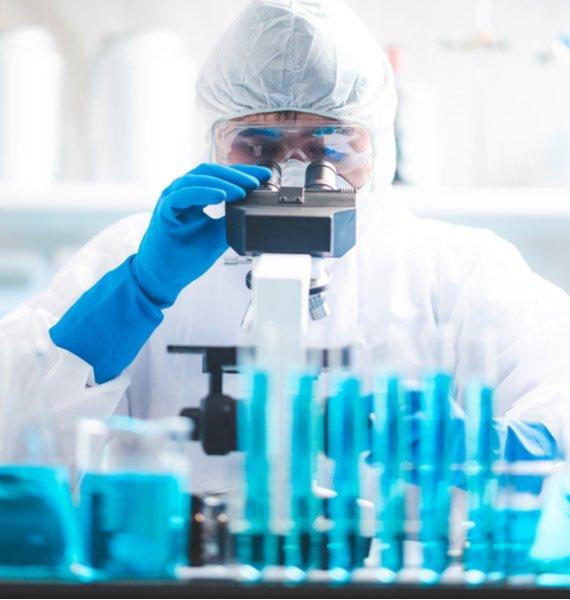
{"x":157,"y":279}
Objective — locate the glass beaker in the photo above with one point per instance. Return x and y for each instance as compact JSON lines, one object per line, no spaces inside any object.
{"x":550,"y":551}
{"x":134,"y":500}
{"x":38,"y":528}
{"x":38,"y":522}
{"x":519,"y":507}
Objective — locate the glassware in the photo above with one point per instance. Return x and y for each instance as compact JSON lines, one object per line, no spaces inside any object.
{"x":525,"y":491}
{"x":38,"y":522}
{"x":134,"y":501}
{"x":550,"y":550}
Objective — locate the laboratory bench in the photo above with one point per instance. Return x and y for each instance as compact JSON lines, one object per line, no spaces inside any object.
{"x":214,"y":588}
{"x":215,"y":581}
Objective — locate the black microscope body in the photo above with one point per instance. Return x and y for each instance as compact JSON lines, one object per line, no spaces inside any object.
{"x":316,"y":219}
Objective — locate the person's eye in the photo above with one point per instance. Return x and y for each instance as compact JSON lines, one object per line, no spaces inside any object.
{"x":256,"y":149}
{"x":316,"y":152}
{"x":245,"y":148}
{"x":269,"y":151}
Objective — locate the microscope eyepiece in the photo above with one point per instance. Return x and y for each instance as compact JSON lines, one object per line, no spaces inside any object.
{"x":274,"y":182}
{"x":320,"y":175}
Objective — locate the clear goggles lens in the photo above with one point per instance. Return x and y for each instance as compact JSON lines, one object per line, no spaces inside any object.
{"x":347,"y":146}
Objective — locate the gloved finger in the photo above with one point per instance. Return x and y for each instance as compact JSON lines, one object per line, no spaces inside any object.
{"x":236,"y":176}
{"x":201,"y":190}
{"x":211,"y":233}
{"x":192,"y":199}
{"x":262,"y":174}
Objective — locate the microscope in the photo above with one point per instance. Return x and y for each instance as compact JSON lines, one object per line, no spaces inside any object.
{"x":317,"y":221}
{"x":288,"y":233}
{"x":361,"y":427}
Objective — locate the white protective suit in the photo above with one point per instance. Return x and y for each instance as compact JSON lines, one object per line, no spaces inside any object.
{"x":413,"y":273}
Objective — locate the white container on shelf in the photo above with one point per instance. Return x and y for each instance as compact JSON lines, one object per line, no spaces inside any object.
{"x":31,"y":106}
{"x":141,"y":122}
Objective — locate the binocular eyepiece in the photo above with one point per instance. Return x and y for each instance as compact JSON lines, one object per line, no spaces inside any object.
{"x":319,"y":175}
{"x":317,"y":218}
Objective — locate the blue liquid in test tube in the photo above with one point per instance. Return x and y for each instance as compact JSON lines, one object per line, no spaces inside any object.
{"x":434,"y":474}
{"x":388,"y":455}
{"x":304,"y":506}
{"x":255,"y":546}
{"x":481,"y":555}
{"x":347,"y":426}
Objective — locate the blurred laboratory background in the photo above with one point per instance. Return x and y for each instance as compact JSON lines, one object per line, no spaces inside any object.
{"x":97,"y":116}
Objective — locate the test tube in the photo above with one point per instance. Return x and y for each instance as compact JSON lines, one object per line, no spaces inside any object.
{"x":482,"y":555}
{"x":391,"y":440}
{"x":388,"y":455}
{"x":434,"y":474}
{"x":432,"y":448}
{"x":304,"y":506}
{"x":254,"y":544}
{"x":347,"y":432}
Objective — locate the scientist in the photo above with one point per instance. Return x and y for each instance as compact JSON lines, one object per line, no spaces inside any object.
{"x":291,"y":80}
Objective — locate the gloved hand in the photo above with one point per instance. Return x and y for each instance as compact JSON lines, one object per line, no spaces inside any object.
{"x":513,"y":440}
{"x":182,"y":242}
{"x":108,"y":325}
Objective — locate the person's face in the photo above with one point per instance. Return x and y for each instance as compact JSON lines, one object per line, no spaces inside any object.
{"x":279,"y":136}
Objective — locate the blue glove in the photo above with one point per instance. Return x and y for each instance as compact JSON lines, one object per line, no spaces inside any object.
{"x":182,"y":242}
{"x":108,"y":325}
{"x":513,"y":440}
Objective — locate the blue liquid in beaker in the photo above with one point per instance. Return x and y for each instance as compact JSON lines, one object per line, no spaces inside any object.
{"x":38,"y":523}
{"x":134,"y":524}
{"x":551,"y":548}
{"x":516,"y":530}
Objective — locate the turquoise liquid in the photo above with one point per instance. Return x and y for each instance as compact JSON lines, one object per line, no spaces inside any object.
{"x":255,"y":546}
{"x":304,"y":508}
{"x":503,"y":548}
{"x":551,"y":549}
{"x":434,"y":474}
{"x":516,"y":530}
{"x":389,"y":446}
{"x":347,"y":421}
{"x":484,"y":554}
{"x":134,"y":524}
{"x":38,"y":526}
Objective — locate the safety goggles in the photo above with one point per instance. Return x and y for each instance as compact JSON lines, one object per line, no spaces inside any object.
{"x":345,"y":145}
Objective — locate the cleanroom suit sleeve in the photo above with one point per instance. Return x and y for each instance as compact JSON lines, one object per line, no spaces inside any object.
{"x":68,"y":384}
{"x":105,"y":304}
{"x":530,"y":318}
{"x":112,"y":320}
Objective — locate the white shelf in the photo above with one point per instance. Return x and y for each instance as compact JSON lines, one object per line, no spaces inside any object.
{"x":486,"y":202}
{"x":79,"y":197}
{"x":66,"y":215}
{"x":436,"y":202}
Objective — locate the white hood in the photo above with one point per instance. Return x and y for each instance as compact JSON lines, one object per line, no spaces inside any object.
{"x":304,"y":55}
